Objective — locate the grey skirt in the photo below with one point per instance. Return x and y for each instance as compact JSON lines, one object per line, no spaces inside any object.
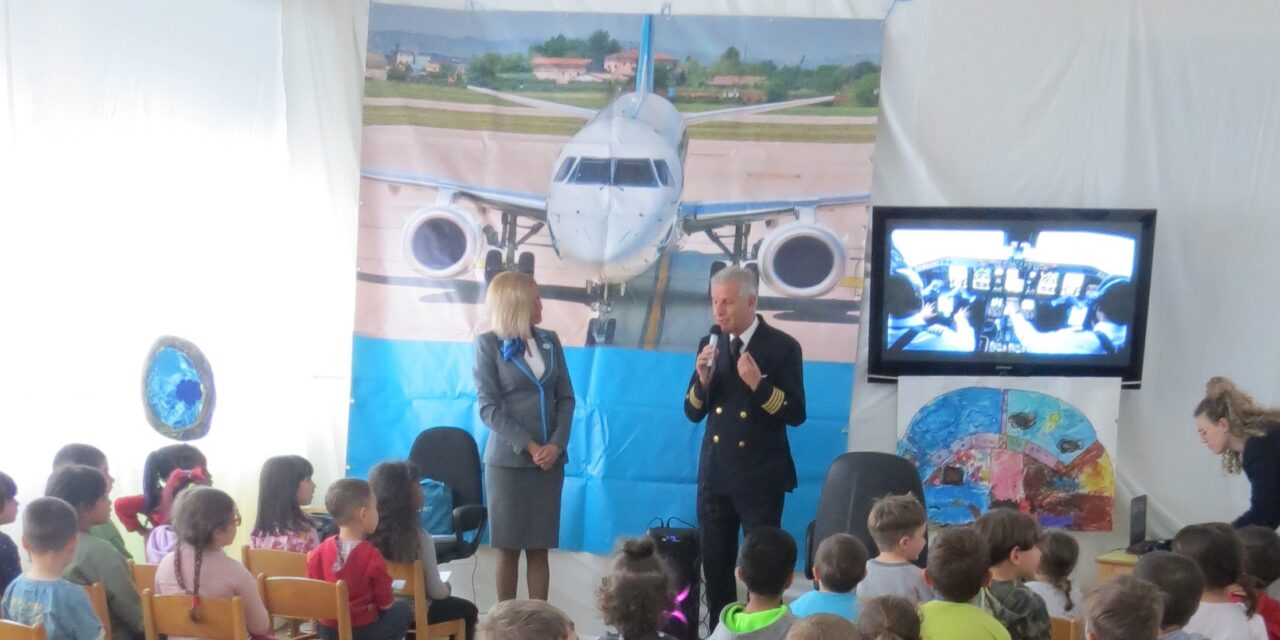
{"x":524,"y":506}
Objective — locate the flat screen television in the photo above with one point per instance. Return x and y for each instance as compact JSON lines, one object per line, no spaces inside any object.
{"x":1006,"y":291}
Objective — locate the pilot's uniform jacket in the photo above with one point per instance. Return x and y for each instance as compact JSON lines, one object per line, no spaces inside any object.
{"x":746,"y":466}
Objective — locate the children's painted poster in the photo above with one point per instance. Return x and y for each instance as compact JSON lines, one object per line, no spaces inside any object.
{"x":1044,"y":446}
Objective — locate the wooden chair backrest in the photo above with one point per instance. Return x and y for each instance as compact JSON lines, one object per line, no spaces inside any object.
{"x":291,"y":597}
{"x":221,"y":619}
{"x":1064,"y":629}
{"x":273,"y":563}
{"x":144,"y":576}
{"x":15,"y":631}
{"x":415,"y":586}
{"x":98,"y":598}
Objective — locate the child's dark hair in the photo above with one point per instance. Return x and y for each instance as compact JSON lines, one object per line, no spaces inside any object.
{"x":893,"y":518}
{"x":889,"y":618}
{"x":160,"y":463}
{"x":1216,"y":549}
{"x":840,"y":562}
{"x":80,"y":485}
{"x":637,"y":595}
{"x":823,"y":626}
{"x":767,"y":560}
{"x":344,"y":497}
{"x":1058,"y":555}
{"x":1006,"y":530}
{"x":76,"y":453}
{"x":1261,"y":546}
{"x":958,"y":563}
{"x":1180,"y":583}
{"x":1123,"y":608}
{"x":48,"y":524}
{"x":278,"y":508}
{"x":198,"y":514}
{"x":395,"y":485}
{"x":8,"y":489}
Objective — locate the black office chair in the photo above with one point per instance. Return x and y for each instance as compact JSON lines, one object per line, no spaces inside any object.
{"x":449,"y":455}
{"x":853,"y":483}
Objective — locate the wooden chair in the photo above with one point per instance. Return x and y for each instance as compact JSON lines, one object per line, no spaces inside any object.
{"x":168,"y":615}
{"x":274,"y":564}
{"x":15,"y":631}
{"x":144,"y":576}
{"x":415,"y":586}
{"x":1064,"y":629}
{"x":98,"y":598}
{"x":277,"y":564}
{"x":290,"y":597}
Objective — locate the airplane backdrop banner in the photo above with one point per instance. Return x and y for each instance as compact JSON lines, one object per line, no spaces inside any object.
{"x":622,"y":160}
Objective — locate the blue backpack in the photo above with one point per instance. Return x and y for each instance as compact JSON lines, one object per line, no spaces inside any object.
{"x":437,"y":507}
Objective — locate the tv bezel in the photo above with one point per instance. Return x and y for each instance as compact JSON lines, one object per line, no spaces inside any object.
{"x":880,"y":370}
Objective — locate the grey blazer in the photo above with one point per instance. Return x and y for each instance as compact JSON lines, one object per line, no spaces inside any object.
{"x":519,"y":409}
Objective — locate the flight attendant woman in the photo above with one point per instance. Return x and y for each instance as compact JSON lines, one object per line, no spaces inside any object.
{"x":526,"y":399}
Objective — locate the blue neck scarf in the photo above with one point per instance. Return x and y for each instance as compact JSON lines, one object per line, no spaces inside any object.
{"x":513,"y":348}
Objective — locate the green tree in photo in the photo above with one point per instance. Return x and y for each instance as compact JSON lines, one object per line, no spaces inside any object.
{"x":866,"y":91}
{"x":483,"y":71}
{"x":730,"y":63}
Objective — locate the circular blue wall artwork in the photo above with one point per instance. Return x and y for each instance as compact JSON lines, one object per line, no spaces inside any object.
{"x":177,"y":389}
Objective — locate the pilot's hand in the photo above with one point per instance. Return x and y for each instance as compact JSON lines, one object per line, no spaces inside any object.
{"x":962,"y":315}
{"x":706,"y":360}
{"x":929,"y":309}
{"x":936,"y":329}
{"x":749,"y":371}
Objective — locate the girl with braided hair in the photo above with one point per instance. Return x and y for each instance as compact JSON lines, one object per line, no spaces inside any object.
{"x":205,"y":520}
{"x":1058,"y":555}
{"x":1246,"y":436}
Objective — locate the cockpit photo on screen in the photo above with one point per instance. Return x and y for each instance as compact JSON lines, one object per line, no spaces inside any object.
{"x":1010,"y":289}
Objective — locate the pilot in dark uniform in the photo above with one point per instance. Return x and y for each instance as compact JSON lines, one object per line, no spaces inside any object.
{"x":750,"y":388}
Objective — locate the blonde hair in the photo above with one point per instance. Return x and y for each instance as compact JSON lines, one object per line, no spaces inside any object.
{"x":1245,"y":418}
{"x":525,"y":620}
{"x":509,"y":301}
{"x":893,"y":518}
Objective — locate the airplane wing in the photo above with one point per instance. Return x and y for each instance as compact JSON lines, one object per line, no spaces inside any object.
{"x":722,"y":114}
{"x":700,"y":216}
{"x":533,"y":205}
{"x":577,"y":112}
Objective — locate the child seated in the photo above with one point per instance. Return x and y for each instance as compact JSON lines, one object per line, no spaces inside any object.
{"x":898,"y":525}
{"x":10,"y":563}
{"x":85,"y":489}
{"x":375,"y":613}
{"x":1058,"y":555}
{"x":89,"y":455}
{"x":206,"y":520}
{"x":1261,"y":547}
{"x":889,"y":618}
{"x":1215,"y":548}
{"x":1012,"y":539}
{"x":839,"y":565}
{"x":41,"y":595}
{"x":1122,"y":608}
{"x":1180,"y":583}
{"x":527,"y":620}
{"x":284,"y":487}
{"x":766,"y":565}
{"x":957,"y":571}
{"x":163,"y":539}
{"x":823,"y":626}
{"x":635,"y":597}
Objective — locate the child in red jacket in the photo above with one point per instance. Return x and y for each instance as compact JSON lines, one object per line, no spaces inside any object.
{"x":375,"y":613}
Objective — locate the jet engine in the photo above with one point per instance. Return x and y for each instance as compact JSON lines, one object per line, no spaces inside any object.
{"x":802,"y":260}
{"x":442,"y":241}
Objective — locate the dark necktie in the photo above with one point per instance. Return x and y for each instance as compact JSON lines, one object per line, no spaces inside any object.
{"x":735,"y":349}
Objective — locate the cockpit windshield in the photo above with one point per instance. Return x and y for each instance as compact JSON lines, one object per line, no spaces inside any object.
{"x":620,"y":172}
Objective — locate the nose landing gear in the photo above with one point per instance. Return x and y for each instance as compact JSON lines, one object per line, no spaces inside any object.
{"x":601,"y":329}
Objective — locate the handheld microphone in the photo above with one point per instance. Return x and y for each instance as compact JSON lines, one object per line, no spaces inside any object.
{"x":716,"y":332}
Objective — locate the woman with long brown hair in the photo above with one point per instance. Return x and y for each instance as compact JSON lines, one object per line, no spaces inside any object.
{"x":1247,"y":437}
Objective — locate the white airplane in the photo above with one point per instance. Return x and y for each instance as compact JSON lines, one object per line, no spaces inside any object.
{"x":613,"y":206}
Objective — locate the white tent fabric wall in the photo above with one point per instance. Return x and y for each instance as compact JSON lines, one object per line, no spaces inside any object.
{"x":1158,"y":104}
{"x":153,"y":186}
